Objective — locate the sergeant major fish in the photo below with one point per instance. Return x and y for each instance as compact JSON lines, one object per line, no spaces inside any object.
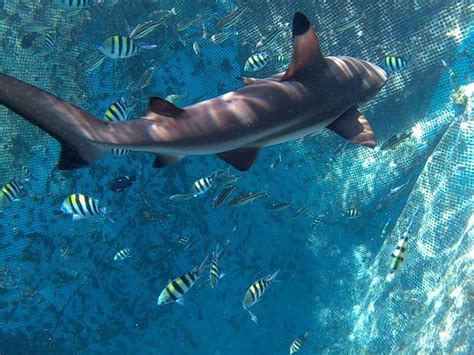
{"x":122,"y":254}
{"x":315,"y":92}
{"x":214,"y":275}
{"x":11,"y":191}
{"x":298,"y":343}
{"x":176,"y":289}
{"x":257,"y":289}
{"x":81,"y":206}
{"x":120,"y":47}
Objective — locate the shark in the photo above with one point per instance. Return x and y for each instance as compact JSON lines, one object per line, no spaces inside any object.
{"x":316,"y":92}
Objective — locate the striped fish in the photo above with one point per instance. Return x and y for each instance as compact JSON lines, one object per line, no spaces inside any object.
{"x":176,"y":289}
{"x":81,"y":206}
{"x":257,"y":62}
{"x":214,"y":275}
{"x":119,"y":152}
{"x":220,"y":37}
{"x":298,"y":343}
{"x":117,"y":112}
{"x":268,"y":41}
{"x":145,"y":78}
{"x":353,"y":213}
{"x":257,"y":289}
{"x":50,"y":41}
{"x":247,"y":198}
{"x":74,"y":4}
{"x":395,"y":64}
{"x":144,"y":29}
{"x":398,"y":254}
{"x":231,"y":18}
{"x":122,"y":254}
{"x":11,"y":191}
{"x":120,"y":47}
{"x":202,"y":185}
{"x":185,"y":24}
{"x":94,"y":61}
{"x":222,"y":196}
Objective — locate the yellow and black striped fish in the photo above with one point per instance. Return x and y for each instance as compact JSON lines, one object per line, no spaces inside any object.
{"x":298,"y":343}
{"x":176,"y":289}
{"x":11,"y":191}
{"x":119,"y":47}
{"x":214,"y":274}
{"x":395,"y":64}
{"x":398,"y":254}
{"x":257,"y":289}
{"x":257,"y":61}
{"x":81,"y":206}
{"x":118,"y":111}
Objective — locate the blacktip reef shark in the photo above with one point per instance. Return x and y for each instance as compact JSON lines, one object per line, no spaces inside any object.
{"x":315,"y":92}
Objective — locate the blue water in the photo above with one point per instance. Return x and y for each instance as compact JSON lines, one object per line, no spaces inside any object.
{"x":60,"y":289}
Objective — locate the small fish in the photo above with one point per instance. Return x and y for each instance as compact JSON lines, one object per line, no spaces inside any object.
{"x":185,"y":24}
{"x":222,"y":196}
{"x":122,"y":254}
{"x":64,"y":250}
{"x":298,"y":343}
{"x":247,"y":198}
{"x":451,"y":72}
{"x":299,"y":212}
{"x":11,"y":191}
{"x":176,"y":289}
{"x":94,"y":61}
{"x":220,"y":37}
{"x":398,"y":254}
{"x":34,"y":26}
{"x":253,"y":317}
{"x":353,"y":213}
{"x":120,"y":47}
{"x":144,"y":29}
{"x":231,"y":18}
{"x":74,"y":4}
{"x":205,"y":33}
{"x":395,"y":140}
{"x":257,"y":62}
{"x":202,"y":185}
{"x":50,"y":41}
{"x":214,"y":275}
{"x":196,"y":48}
{"x":276,"y":162}
{"x":395,"y":64}
{"x":346,"y":23}
{"x":107,"y":3}
{"x":183,"y":241}
{"x":175,"y":97}
{"x":117,"y":112}
{"x":257,"y":289}
{"x":145,"y":78}
{"x":181,"y":197}
{"x":268,"y":41}
{"x":81,"y":206}
{"x":163,"y":15}
{"x":119,"y":152}
{"x":279,"y":206}
{"x":121,"y":183}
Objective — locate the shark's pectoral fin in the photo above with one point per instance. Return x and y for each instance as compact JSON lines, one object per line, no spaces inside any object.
{"x":163,"y":160}
{"x":307,"y":56}
{"x":69,"y":159}
{"x":165,"y":108}
{"x":241,"y":159}
{"x":353,"y":126}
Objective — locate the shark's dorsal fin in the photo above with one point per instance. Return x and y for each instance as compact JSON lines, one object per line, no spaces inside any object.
{"x":306,"y":51}
{"x":165,"y":108}
{"x":241,"y":159}
{"x":353,"y":126}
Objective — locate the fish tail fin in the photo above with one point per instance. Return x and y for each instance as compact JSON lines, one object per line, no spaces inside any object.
{"x":67,"y":123}
{"x":273,"y":276}
{"x":200,"y":269}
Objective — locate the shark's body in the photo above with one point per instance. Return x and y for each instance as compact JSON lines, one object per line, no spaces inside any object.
{"x":315,"y":92}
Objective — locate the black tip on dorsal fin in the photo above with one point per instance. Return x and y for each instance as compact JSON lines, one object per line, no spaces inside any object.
{"x":307,"y":54}
{"x":165,"y":108}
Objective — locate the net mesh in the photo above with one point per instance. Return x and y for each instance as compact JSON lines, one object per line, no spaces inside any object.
{"x":60,"y":289}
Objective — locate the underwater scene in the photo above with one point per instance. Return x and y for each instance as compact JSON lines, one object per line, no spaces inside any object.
{"x":236,"y":177}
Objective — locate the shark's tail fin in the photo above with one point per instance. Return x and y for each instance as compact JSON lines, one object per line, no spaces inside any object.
{"x":70,"y":125}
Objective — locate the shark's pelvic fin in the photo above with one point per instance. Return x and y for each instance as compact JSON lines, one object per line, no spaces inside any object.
{"x":241,"y":159}
{"x":162,"y":107}
{"x":353,"y":126}
{"x":162,"y":160}
{"x":307,"y":54}
{"x":69,"y":159}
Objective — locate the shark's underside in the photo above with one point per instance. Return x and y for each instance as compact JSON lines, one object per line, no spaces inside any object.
{"x":315,"y":92}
